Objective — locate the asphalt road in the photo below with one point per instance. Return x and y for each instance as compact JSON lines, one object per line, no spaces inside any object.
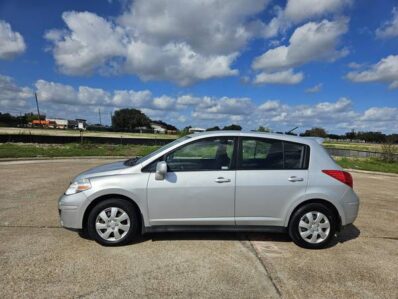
{"x":38,"y":259}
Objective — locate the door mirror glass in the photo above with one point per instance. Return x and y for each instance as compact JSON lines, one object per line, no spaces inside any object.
{"x":161,"y":170}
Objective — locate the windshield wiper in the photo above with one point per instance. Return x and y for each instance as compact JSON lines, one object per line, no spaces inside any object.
{"x":131,"y":162}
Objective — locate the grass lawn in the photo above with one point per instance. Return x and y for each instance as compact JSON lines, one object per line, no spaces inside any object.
{"x":29,"y":150}
{"x":367,"y":164}
{"x":59,"y":132}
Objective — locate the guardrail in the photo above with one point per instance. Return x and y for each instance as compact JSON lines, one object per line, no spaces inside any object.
{"x":339,"y":152}
{"x":77,"y":139}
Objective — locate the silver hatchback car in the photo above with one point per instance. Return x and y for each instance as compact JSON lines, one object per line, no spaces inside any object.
{"x":216,"y":181}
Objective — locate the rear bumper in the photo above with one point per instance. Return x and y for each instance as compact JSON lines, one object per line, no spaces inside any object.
{"x":350,"y":206}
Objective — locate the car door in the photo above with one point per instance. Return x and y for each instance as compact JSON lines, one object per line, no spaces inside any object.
{"x":199,"y":187}
{"x":270,"y":175}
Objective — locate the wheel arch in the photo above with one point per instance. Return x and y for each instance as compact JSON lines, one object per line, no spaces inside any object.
{"x":325,"y":202}
{"x":95,"y":201}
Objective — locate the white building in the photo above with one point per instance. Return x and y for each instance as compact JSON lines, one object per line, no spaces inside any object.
{"x":158,"y":128}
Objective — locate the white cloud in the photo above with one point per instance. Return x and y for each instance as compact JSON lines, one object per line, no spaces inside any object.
{"x":164,"y":103}
{"x":56,"y":92}
{"x":297,"y":11}
{"x":11,"y":42}
{"x":385,"y":71}
{"x":187,"y":100}
{"x":355,"y":65}
{"x":59,"y":100}
{"x":280,"y":77}
{"x":131,"y":98}
{"x":225,"y":106}
{"x":13,"y":96}
{"x":90,"y":43}
{"x":385,"y":114}
{"x":310,"y":42}
{"x":270,"y":105}
{"x":314,"y":89}
{"x":390,"y":28}
{"x":179,"y":41}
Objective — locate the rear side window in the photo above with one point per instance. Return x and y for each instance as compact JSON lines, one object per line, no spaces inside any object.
{"x":261,"y":153}
{"x":294,"y":155}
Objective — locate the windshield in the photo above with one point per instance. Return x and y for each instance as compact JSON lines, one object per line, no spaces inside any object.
{"x":168,"y":145}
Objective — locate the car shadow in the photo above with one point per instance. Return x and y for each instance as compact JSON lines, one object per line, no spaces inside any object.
{"x":214,"y":236}
{"x":350,"y":232}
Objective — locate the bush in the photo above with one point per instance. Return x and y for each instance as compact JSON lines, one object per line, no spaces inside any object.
{"x":388,"y":151}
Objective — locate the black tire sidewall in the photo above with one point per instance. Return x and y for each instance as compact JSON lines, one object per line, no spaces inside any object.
{"x":294,"y":225}
{"x":119,"y":203}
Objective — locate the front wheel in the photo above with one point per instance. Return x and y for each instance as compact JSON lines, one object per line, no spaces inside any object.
{"x":113,"y":222}
{"x":312,"y":226}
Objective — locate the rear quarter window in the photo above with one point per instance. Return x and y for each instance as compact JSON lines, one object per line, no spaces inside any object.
{"x":295,"y":155}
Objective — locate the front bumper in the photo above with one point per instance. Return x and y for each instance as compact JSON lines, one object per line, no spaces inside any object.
{"x":71,"y":211}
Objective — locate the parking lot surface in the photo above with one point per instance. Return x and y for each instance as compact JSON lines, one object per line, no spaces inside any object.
{"x":40,"y":259}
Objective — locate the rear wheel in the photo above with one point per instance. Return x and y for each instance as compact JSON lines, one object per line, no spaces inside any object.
{"x":113,"y":222}
{"x":312,"y":226}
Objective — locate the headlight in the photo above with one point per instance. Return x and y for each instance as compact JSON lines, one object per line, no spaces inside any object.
{"x":79,"y":186}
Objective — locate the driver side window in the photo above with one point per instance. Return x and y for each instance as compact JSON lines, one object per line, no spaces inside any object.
{"x":203,"y":155}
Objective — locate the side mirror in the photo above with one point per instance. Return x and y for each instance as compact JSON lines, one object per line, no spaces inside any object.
{"x":161,"y":170}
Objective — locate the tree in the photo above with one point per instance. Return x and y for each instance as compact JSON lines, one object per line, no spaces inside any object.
{"x":315,"y":132}
{"x":351,"y":135}
{"x":263,"y":129}
{"x":233,"y":127}
{"x":184,"y":131}
{"x":129,"y":119}
{"x":216,"y":128}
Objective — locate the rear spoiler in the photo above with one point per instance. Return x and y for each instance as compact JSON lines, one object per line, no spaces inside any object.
{"x":320,"y":140}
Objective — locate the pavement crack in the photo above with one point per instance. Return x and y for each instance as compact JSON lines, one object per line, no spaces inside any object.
{"x":29,"y":226}
{"x":382,"y":237}
{"x":254,"y":251}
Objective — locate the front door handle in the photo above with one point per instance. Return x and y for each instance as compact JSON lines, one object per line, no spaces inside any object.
{"x":295,"y":179}
{"x":222,"y":180}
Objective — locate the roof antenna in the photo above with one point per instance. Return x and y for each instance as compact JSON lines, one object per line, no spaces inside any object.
{"x":291,"y":131}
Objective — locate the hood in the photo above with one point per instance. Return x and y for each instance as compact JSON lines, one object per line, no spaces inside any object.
{"x":102,"y":170}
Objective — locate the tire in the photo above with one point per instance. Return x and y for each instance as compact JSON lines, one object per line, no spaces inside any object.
{"x":315,"y":234}
{"x":117,"y":221}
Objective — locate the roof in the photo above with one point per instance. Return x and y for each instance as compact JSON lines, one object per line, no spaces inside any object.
{"x":256,"y":134}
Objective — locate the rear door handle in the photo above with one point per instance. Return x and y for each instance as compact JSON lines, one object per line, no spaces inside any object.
{"x":222,"y":180}
{"x":295,"y":179}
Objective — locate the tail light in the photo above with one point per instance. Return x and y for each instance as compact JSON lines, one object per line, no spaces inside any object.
{"x":342,"y":176}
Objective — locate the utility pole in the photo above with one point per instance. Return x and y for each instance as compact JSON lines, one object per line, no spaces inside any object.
{"x":111,"y":117}
{"x":99,"y":113}
{"x":38,"y":111}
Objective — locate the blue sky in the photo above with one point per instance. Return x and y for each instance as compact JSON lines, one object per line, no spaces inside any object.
{"x":330,"y":63}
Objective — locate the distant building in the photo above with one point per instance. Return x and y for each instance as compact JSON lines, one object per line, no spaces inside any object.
{"x":158,"y":128}
{"x":77,"y":124}
{"x":194,"y":130}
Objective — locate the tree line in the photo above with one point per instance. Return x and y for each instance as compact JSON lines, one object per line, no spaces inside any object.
{"x":366,"y":136}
